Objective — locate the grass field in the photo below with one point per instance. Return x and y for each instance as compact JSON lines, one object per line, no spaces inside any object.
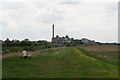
{"x":110,"y":52}
{"x":71,"y":62}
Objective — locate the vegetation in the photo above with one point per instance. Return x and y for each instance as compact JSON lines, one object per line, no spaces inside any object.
{"x":17,"y":46}
{"x":69,"y":62}
{"x":101,"y":55}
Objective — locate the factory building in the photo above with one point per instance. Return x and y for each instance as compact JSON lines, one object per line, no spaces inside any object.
{"x":60,"y":40}
{"x":87,"y":41}
{"x":64,"y":39}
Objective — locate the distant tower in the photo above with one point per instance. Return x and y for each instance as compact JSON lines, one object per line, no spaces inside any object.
{"x":53,"y":31}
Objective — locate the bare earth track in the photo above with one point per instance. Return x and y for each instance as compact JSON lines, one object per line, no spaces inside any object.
{"x":34,"y":53}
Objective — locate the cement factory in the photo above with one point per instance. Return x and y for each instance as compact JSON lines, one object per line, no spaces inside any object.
{"x":67,"y":39}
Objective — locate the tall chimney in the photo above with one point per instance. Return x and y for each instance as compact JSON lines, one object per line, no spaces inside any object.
{"x":53,"y":31}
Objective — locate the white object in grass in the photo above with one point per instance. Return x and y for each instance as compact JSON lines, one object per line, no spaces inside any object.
{"x":29,"y":55}
{"x":24,"y":53}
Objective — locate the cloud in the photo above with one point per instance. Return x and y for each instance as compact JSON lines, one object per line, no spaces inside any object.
{"x":8,"y":6}
{"x":97,"y":1}
{"x":78,"y":19}
{"x":51,"y":16}
{"x":71,"y":3}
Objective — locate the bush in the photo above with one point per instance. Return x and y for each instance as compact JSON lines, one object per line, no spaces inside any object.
{"x":6,"y":51}
{"x":16,"y":49}
{"x":28,"y":48}
{"x":11,"y":49}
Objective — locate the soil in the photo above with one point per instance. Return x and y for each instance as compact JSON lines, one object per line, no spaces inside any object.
{"x":102,"y":48}
{"x":34,"y":53}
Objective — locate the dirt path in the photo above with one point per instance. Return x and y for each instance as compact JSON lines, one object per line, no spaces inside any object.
{"x":34,"y":53}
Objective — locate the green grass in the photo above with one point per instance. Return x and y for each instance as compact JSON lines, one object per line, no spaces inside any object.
{"x":61,"y":63}
{"x":105,"y":56}
{"x":111,"y":54}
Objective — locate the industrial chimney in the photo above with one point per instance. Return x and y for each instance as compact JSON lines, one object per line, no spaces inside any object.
{"x":53,"y":31}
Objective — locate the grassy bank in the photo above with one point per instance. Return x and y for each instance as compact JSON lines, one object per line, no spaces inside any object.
{"x":61,"y":63}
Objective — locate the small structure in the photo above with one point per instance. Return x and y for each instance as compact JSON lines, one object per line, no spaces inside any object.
{"x":24,"y":54}
{"x":88,"y":42}
{"x":85,"y":40}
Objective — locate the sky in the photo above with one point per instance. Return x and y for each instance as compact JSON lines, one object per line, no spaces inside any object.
{"x":33,"y":19}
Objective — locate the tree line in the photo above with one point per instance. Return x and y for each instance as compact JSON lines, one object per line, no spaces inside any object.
{"x":16,"y":45}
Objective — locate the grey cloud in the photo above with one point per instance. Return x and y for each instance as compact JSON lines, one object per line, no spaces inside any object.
{"x":3,"y":23}
{"x":112,"y":8}
{"x":12,"y":5}
{"x":37,"y":25}
{"x":51,"y":18}
{"x":119,"y":21}
{"x":71,"y":3}
{"x":39,"y":4}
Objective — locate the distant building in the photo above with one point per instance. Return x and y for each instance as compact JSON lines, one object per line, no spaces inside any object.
{"x":87,"y":41}
{"x":61,"y":40}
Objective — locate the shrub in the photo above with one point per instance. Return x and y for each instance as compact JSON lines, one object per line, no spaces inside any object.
{"x":6,"y":51}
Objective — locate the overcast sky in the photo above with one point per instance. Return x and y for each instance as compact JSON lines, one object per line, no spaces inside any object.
{"x":33,"y":19}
